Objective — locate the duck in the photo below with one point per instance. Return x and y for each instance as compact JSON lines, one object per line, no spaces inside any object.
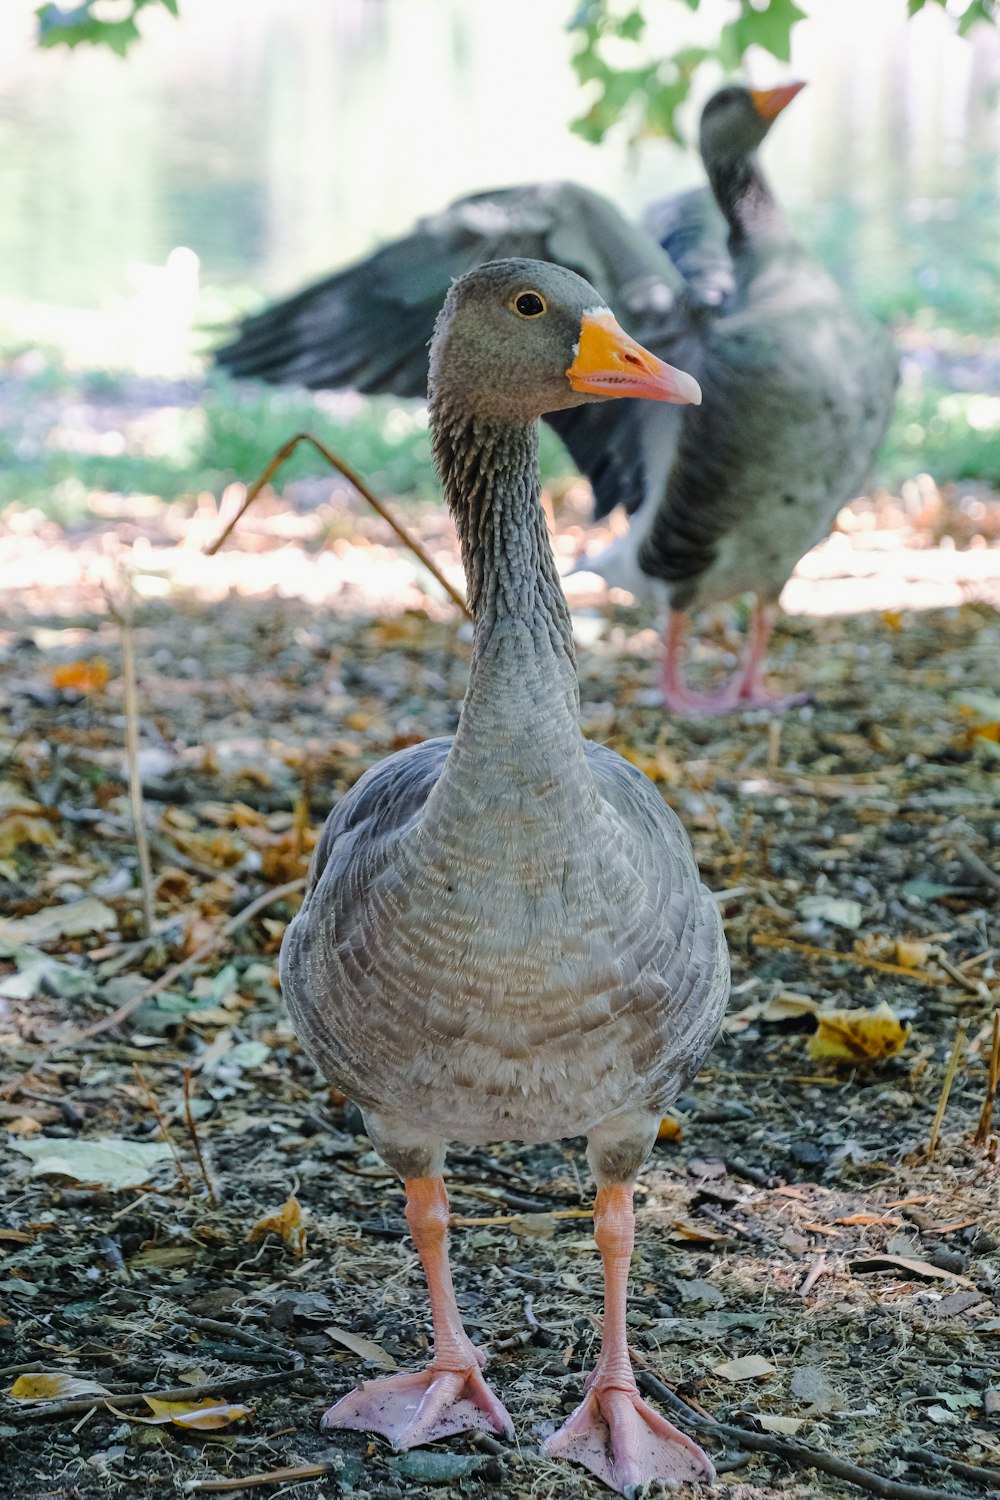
{"x":723,"y":498}
{"x":504,"y":934}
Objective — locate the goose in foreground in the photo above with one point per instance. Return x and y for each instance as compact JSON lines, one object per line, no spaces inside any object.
{"x":504,"y":934}
{"x":724,"y":498}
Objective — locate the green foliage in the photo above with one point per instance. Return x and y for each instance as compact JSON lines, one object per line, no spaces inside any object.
{"x":951,"y":435}
{"x":646,"y":94}
{"x":59,"y":27}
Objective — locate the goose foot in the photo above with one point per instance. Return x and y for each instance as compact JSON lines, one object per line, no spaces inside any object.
{"x":422,"y":1406}
{"x":744,"y":690}
{"x":621,"y":1439}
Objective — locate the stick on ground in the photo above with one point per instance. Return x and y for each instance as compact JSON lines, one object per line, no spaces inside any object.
{"x":284,"y":454}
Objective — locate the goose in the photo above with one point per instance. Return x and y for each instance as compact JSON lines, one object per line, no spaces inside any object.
{"x":724,"y":498}
{"x":504,"y":935}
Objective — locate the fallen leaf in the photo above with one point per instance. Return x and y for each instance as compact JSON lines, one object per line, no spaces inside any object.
{"x":286,"y":1222}
{"x":365,"y":1348}
{"x":204,"y":1416}
{"x":912,"y":953}
{"x":53,"y":1387}
{"x":787,"y":1425}
{"x":17,"y":829}
{"x":533,"y":1226}
{"x":858,"y":1035}
{"x":82,"y":676}
{"x":811,"y":1383}
{"x":669,"y":1130}
{"x":104,"y":1161}
{"x":841,"y":911}
{"x":74,"y":919}
{"x":750,"y":1367}
{"x":920,"y":1268}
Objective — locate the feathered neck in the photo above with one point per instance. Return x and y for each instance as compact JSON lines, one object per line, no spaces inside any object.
{"x":746,"y":200}
{"x":489,"y":472}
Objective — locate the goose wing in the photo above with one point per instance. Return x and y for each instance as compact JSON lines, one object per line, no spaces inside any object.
{"x":367,"y":326}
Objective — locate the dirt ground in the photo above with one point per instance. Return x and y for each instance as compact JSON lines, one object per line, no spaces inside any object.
{"x":806,"y":1267}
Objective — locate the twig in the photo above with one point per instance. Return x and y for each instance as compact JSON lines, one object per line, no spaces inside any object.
{"x":214,"y":1328}
{"x":992,"y":1084}
{"x":249,"y":1481}
{"x":195,"y":1143}
{"x":818,"y":1268}
{"x":977,"y":866}
{"x":831,"y":955}
{"x":285,"y":452}
{"x":143,"y":1083}
{"x":803,"y":1455}
{"x":949,"y":1079}
{"x":975,"y":1472}
{"x":123,"y":617}
{"x":259,"y":904}
{"x":44,"y":1410}
{"x":976,"y":987}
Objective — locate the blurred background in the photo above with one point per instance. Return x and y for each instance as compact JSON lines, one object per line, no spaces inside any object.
{"x":238,"y":151}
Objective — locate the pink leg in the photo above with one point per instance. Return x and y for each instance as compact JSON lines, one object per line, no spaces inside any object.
{"x":450,"y":1395}
{"x":677,"y":696}
{"x":747,"y":688}
{"x":613,"y":1432}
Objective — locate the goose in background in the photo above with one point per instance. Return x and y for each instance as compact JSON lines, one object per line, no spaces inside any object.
{"x":504,"y":934}
{"x":725,"y":497}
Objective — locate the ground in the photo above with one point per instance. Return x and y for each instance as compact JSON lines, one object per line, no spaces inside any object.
{"x":794,"y":1214}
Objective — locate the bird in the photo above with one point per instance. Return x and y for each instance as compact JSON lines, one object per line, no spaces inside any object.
{"x":504,"y":934}
{"x":723,"y":498}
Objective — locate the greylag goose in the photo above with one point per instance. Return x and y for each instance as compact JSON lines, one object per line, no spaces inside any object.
{"x":726,"y":497}
{"x":504,"y":935}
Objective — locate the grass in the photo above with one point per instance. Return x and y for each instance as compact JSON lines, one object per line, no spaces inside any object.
{"x":64,"y":436}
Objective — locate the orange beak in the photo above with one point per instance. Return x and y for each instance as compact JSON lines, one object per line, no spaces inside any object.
{"x":770,"y":102}
{"x":609,"y":363}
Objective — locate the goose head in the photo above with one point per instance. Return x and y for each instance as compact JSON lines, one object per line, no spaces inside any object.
{"x":518,"y":338}
{"x":736,"y":119}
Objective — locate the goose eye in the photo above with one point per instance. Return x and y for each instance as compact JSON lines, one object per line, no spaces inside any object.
{"x":529,"y":305}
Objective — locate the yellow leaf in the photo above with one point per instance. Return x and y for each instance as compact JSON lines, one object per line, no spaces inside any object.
{"x":205,"y":1416}
{"x":893,"y":618}
{"x":82,"y":676}
{"x":287,"y":1222}
{"x":17,"y":829}
{"x":53,"y":1387}
{"x":858,"y":1035}
{"x":670,"y":1130}
{"x":912,"y":953}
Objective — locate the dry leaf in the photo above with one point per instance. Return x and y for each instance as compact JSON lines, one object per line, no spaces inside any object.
{"x":540,"y":1226}
{"x":53,"y":1387}
{"x":365,"y":1348}
{"x":787,"y":1425}
{"x":114,"y":1164}
{"x":841,"y":911}
{"x":912,"y":953}
{"x":858,"y":1035}
{"x":750,"y":1367}
{"x":82,"y":676}
{"x":75,"y":919}
{"x":287,"y":1223}
{"x":17,"y":829}
{"x":204,"y":1416}
{"x":920,"y":1268}
{"x":669,"y":1130}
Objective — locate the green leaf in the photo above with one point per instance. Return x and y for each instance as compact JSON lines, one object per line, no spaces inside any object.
{"x":631,"y":27}
{"x":769,"y":28}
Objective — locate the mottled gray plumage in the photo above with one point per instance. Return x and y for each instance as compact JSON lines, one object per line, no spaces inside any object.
{"x":504,"y":934}
{"x":798,"y":385}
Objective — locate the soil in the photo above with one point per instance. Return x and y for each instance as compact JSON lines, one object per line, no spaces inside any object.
{"x":794,"y":1214}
